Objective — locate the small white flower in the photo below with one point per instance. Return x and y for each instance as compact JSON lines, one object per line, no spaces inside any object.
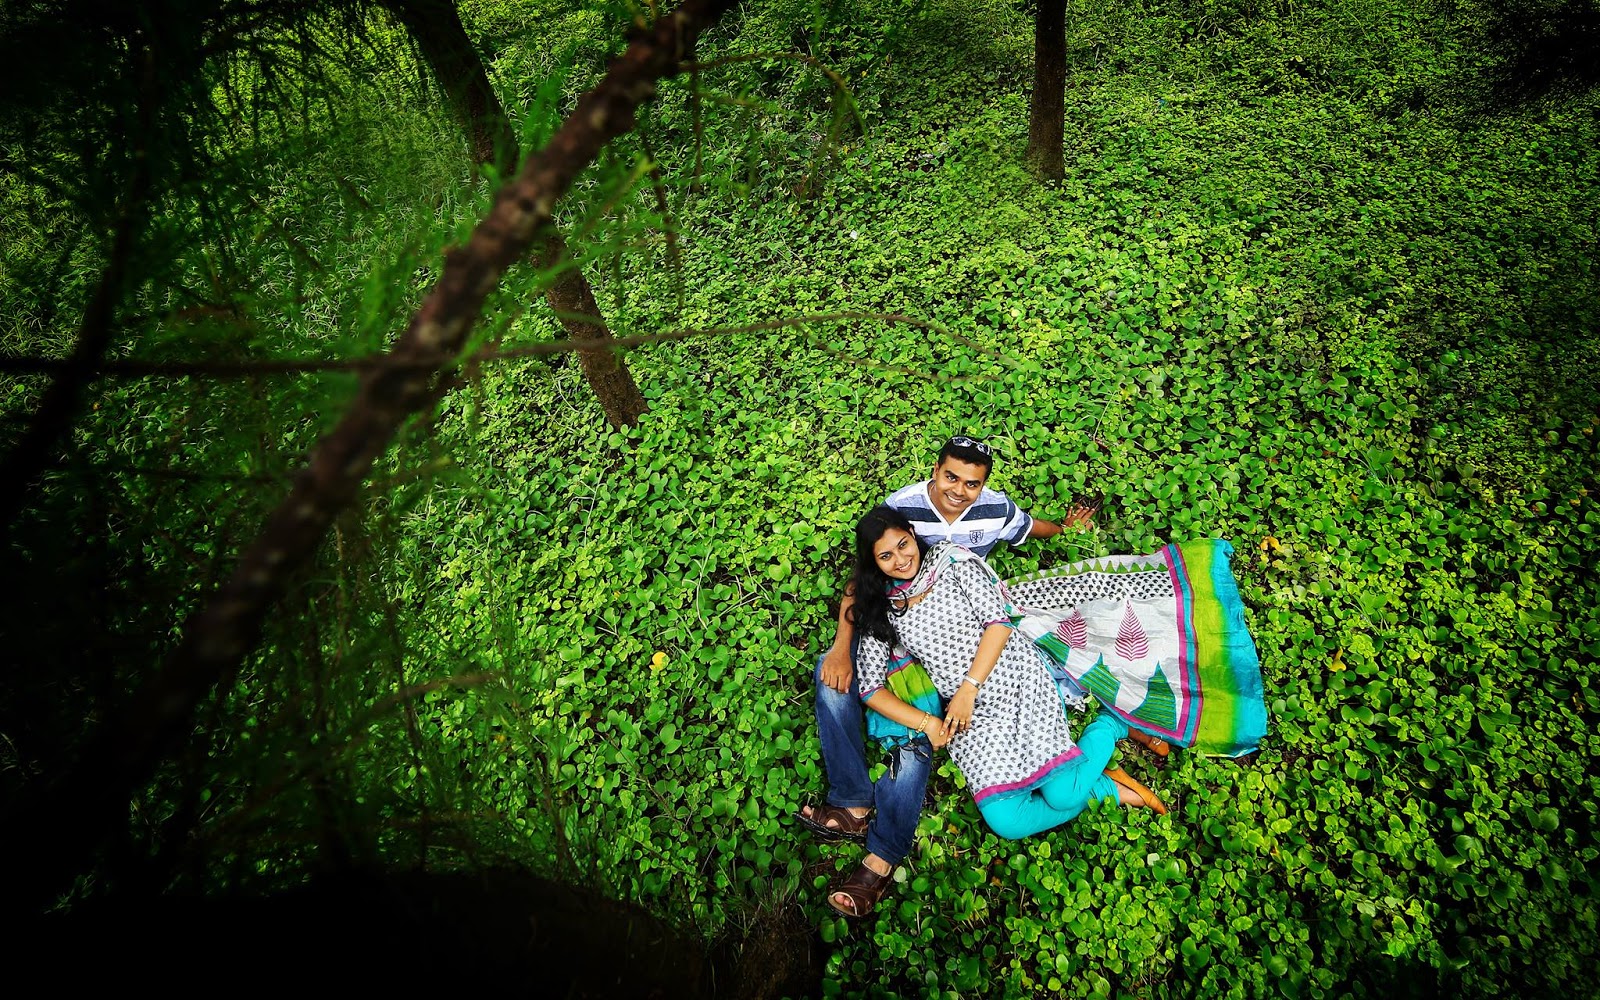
{"x":854,"y":234}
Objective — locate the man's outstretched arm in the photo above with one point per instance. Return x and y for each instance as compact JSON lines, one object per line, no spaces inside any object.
{"x":1079,"y":517}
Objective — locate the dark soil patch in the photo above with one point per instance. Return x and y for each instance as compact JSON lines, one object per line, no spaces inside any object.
{"x":415,"y":933}
{"x":411,"y":933}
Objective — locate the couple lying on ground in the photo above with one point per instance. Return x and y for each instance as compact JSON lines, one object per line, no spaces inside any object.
{"x":928,"y":643}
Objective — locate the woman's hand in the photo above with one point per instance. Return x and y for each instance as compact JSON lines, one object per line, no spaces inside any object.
{"x":836,"y":668}
{"x":938,"y":733}
{"x":958,"y":714}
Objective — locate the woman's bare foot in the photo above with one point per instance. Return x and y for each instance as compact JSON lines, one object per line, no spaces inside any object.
{"x":1155,"y":745}
{"x":1133,"y":793}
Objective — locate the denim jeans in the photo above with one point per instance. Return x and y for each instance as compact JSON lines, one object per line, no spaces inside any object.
{"x":897,"y":796}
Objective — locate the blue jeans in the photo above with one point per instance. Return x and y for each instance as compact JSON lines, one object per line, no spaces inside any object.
{"x":897,"y":796}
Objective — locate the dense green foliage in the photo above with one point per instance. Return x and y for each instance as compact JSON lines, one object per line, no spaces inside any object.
{"x":1302,"y":288}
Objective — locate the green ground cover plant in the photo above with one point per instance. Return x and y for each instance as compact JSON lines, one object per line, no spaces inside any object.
{"x":1302,"y":288}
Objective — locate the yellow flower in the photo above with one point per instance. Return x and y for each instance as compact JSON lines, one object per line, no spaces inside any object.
{"x":658,"y":661}
{"x":1338,"y":660}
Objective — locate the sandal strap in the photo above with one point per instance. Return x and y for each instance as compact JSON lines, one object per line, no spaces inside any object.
{"x":867,"y":879}
{"x":864,"y":888}
{"x":836,"y":820}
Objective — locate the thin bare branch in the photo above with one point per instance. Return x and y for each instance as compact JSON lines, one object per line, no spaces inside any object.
{"x":297,"y":366}
{"x":74,"y":815}
{"x":54,"y":417}
{"x":356,"y":732}
{"x":668,"y":226}
{"x":839,"y":84}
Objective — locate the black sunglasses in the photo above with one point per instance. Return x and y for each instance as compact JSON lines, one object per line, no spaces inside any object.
{"x":966,"y":442}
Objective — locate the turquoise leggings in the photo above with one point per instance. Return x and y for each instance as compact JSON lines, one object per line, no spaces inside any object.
{"x":1063,"y":795}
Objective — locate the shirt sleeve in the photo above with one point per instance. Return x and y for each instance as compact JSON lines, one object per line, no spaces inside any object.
{"x":1018,"y":523}
{"x":979,"y":590}
{"x":872,"y":665}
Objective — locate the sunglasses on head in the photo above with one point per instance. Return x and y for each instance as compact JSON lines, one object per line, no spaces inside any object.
{"x":966,"y":442}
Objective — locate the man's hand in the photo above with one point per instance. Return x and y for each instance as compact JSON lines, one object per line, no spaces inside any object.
{"x":836,"y":671}
{"x":958,"y":714}
{"x":1081,"y":515}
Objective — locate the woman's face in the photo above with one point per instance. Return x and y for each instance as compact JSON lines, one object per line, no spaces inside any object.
{"x":897,"y":555}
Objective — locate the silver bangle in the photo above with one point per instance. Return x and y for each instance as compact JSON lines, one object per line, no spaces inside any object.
{"x":973,"y":681}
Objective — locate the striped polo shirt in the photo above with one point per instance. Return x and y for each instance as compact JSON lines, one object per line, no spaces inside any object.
{"x":991,"y":519}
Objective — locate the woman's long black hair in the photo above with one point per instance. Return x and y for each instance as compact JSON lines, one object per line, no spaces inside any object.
{"x":872,"y":612}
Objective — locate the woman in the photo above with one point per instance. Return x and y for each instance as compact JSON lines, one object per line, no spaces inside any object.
{"x":1004,"y":720}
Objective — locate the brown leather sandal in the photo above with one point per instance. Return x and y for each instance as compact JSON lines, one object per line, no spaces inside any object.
{"x":845,"y":826}
{"x":1146,"y":797}
{"x":863,"y":888}
{"x":1155,"y":745}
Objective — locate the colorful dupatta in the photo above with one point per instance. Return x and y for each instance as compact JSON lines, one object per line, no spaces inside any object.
{"x":1159,"y":640}
{"x":905,"y":677}
{"x":912,"y":685}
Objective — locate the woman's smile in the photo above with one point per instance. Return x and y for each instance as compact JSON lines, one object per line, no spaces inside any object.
{"x":897,"y":554}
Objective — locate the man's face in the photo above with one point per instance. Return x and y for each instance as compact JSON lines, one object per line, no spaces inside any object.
{"x":956,"y":484}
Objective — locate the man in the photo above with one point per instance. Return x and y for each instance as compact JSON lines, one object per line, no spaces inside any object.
{"x":953,"y":504}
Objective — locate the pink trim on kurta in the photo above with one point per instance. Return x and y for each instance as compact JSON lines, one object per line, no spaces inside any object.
{"x":1189,"y":677}
{"x":1031,"y":780}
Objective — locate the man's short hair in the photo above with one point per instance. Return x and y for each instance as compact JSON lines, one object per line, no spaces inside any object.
{"x":970,"y":450}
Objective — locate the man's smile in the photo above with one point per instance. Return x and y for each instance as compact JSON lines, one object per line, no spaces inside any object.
{"x":955,"y":486}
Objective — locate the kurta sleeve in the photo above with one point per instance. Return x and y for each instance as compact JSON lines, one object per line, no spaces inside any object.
{"x":872,"y":665}
{"x":978,"y":586}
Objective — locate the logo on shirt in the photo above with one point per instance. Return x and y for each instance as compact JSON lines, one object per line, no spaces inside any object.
{"x":974,"y":537}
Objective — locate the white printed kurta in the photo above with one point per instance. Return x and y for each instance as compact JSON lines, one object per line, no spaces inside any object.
{"x":1019,"y":729}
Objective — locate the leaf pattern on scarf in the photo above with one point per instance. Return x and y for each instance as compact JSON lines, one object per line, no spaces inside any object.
{"x":1131,"y":642}
{"x":1074,"y":631}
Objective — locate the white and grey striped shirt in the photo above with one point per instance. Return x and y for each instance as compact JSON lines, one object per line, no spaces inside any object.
{"x":991,"y":519}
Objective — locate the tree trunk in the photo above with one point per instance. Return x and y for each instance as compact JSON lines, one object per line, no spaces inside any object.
{"x":71,"y":817}
{"x":435,"y":26}
{"x":608,"y":375}
{"x":1047,"y":113}
{"x":440,"y":36}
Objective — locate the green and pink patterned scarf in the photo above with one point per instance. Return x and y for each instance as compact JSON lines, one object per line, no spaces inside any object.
{"x":1159,"y":640}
